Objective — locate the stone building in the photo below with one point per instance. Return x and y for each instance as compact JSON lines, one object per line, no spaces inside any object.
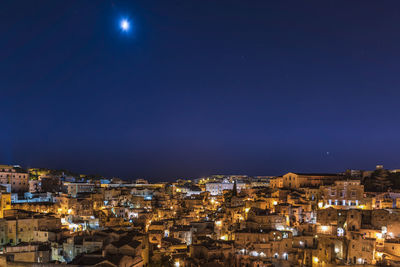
{"x":16,"y":177}
{"x":344,"y":194}
{"x":299,"y":180}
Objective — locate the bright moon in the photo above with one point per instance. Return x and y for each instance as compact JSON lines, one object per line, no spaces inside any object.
{"x":124,"y":25}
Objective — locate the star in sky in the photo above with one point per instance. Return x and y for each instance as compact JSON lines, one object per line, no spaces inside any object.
{"x":125,"y":25}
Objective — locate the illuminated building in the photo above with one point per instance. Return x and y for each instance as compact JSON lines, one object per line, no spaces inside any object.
{"x":218,"y":188}
{"x":299,"y":180}
{"x":344,"y":194}
{"x":14,"y":176}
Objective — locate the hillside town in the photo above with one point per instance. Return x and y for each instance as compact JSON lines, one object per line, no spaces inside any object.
{"x":52,"y":218}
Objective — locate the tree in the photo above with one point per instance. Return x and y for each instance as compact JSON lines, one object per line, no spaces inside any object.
{"x":395,"y":179}
{"x":379,"y":181}
{"x":234,"y":190}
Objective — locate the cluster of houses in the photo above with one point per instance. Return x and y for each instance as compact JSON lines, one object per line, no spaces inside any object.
{"x":297,"y":219}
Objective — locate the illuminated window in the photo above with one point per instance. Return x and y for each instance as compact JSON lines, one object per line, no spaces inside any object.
{"x":340,"y":231}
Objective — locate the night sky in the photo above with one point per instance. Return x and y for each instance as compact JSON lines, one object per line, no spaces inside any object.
{"x":199,"y":87}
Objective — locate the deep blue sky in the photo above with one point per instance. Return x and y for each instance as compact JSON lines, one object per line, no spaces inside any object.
{"x":200,"y":87}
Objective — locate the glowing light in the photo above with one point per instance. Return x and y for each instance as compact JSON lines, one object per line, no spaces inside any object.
{"x":246,"y":210}
{"x":253,"y":253}
{"x":125,"y":25}
{"x":315,"y":259}
{"x":275,"y":203}
{"x":320,"y":205}
{"x":324,"y":228}
{"x":340,"y":231}
{"x":177,"y":264}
